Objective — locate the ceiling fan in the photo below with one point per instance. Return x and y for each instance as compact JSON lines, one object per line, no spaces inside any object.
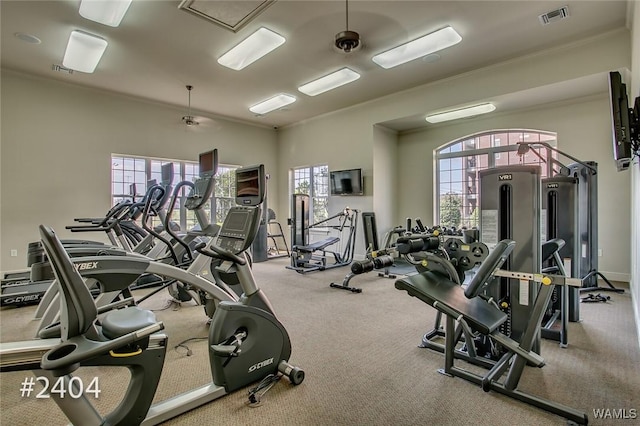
{"x":347,"y":40}
{"x":189,"y":119}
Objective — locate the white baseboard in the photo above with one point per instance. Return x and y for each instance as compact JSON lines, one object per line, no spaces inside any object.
{"x":616,"y":276}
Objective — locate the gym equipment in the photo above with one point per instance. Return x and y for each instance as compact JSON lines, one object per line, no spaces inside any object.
{"x":451,"y":258}
{"x":20,"y":291}
{"x":377,"y":261}
{"x":375,"y":258}
{"x":274,"y":250}
{"x":510,"y":209}
{"x":476,"y":316}
{"x":307,"y":257}
{"x":115,"y":273}
{"x":560,"y":208}
{"x":246,"y":341}
{"x":586,"y":174}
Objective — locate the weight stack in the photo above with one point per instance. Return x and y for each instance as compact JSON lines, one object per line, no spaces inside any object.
{"x":510,"y":209}
{"x":560,"y":220}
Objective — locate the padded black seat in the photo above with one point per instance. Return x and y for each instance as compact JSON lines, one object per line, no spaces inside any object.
{"x":123,"y":321}
{"x":550,"y":247}
{"x":437,"y":290}
{"x":319,"y":245}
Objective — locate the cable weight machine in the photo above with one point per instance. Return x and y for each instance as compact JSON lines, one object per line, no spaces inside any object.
{"x":308,"y":257}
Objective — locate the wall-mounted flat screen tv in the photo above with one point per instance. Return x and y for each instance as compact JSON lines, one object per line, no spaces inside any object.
{"x":346,"y":182}
{"x":620,"y":121}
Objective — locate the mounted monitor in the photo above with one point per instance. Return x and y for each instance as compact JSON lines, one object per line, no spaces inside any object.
{"x":133,"y":191}
{"x":166,"y":173}
{"x":346,"y":182}
{"x":620,"y":121}
{"x":208,"y":162}
{"x":250,"y":185}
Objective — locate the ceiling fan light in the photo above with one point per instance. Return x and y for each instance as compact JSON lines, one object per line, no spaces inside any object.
{"x":272,"y":104}
{"x":425,"y":45}
{"x":84,"y":51}
{"x":190,"y":120}
{"x":107,"y":12}
{"x":329,"y":82}
{"x":461,"y":113}
{"x":251,"y":49}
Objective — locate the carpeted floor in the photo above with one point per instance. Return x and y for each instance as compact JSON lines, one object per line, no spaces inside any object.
{"x":362,"y":363}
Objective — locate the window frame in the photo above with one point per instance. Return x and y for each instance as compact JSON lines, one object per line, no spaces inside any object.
{"x":493,"y":154}
{"x":319,"y":199}
{"x":187,"y":170}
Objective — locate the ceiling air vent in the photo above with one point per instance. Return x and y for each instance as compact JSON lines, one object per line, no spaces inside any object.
{"x":554,"y":15}
{"x":231,"y":15}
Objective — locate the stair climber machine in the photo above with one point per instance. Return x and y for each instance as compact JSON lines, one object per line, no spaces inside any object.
{"x":184,"y":246}
{"x":31,"y":287}
{"x":247,"y":343}
{"x":190,"y":281}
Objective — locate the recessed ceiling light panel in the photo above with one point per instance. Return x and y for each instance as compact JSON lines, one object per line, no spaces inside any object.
{"x":329,"y":82}
{"x":272,"y":104}
{"x":107,"y":12}
{"x":430,"y":43}
{"x":84,"y":51}
{"x":251,"y":49}
{"x":461,"y":113}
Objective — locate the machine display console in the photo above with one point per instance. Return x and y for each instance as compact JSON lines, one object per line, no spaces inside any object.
{"x":239,"y":229}
{"x":200,"y":194}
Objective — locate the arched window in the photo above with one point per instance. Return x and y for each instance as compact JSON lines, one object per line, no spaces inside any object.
{"x":458,"y":164}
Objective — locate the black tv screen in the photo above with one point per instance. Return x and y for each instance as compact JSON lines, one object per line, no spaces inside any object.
{"x":346,"y":182}
{"x":167,"y":174}
{"x":208,"y":162}
{"x":250,"y":185}
{"x":620,"y":121}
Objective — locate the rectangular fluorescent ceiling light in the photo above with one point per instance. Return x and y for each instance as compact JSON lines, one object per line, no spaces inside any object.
{"x":329,"y":82}
{"x":84,"y":51}
{"x":423,"y":46}
{"x":251,"y":49}
{"x":461,"y":113}
{"x":271,"y":104}
{"x":107,"y":12}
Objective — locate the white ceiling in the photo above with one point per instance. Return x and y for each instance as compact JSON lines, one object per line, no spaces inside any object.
{"x":158,"y":49}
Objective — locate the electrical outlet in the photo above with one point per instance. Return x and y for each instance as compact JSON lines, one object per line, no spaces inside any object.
{"x":599,"y":252}
{"x":14,"y":253}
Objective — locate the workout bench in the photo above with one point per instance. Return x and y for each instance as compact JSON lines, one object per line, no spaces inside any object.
{"x":307,"y":258}
{"x":477,"y":316}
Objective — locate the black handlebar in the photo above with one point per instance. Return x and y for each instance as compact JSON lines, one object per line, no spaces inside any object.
{"x":172,"y":205}
{"x":220,"y":253}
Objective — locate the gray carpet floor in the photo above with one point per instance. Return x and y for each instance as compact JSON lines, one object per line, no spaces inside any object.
{"x":362,"y":362}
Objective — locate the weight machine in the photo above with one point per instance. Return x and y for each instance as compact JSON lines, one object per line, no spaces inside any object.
{"x":375,"y":259}
{"x":584,"y":252}
{"x":307,"y":257}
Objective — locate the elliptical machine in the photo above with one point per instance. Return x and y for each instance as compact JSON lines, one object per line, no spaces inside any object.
{"x":247,"y":343}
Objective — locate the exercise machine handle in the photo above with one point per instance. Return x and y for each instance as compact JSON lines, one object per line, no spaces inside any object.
{"x":220,"y":253}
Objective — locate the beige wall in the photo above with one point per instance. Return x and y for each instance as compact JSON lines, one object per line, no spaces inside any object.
{"x":56,"y":136}
{"x":583,"y":130}
{"x":344,"y":137}
{"x":57,"y":140}
{"x":385,"y":182}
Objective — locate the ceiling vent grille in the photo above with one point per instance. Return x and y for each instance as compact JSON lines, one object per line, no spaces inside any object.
{"x":554,"y":15}
{"x":231,"y":15}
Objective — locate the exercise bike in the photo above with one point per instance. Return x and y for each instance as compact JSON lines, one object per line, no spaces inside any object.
{"x":247,"y":343}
